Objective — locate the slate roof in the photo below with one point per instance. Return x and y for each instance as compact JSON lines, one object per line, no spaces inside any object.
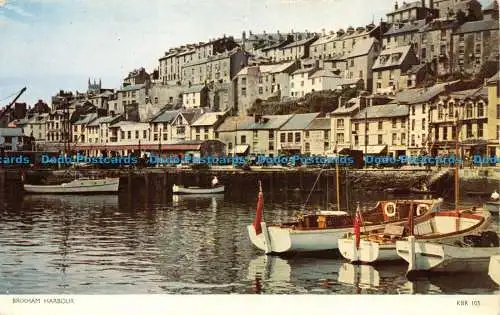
{"x":477,"y":26}
{"x":388,"y":55}
{"x":319,"y":124}
{"x":362,"y":47}
{"x":268,"y":122}
{"x":406,"y":27}
{"x":383,"y":111}
{"x":208,"y":119}
{"x":102,"y":120}
{"x":231,"y":123}
{"x":324,"y":73}
{"x":421,"y":95}
{"x":407,"y":6}
{"x":304,"y":70}
{"x":165,"y":116}
{"x":299,"y":121}
{"x":304,"y":41}
{"x":274,"y":68}
{"x":85,"y":119}
{"x":324,"y":39}
{"x":494,"y":78}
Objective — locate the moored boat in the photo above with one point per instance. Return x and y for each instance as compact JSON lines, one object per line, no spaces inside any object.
{"x":426,"y":257}
{"x":176,"y":189}
{"x":494,"y":268}
{"x":321,"y":231}
{"x":493,"y":207}
{"x":77,"y":186}
{"x":440,"y":226}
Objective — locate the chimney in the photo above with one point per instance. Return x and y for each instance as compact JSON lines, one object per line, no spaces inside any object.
{"x":396,"y":5}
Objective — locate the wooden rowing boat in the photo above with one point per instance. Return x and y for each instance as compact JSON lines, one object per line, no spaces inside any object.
{"x":176,"y":189}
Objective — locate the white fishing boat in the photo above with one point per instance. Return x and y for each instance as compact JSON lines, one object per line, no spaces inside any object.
{"x":494,"y":268}
{"x":194,"y":190}
{"x":437,"y":257}
{"x":77,"y":186}
{"x":380,"y":246}
{"x":321,"y":231}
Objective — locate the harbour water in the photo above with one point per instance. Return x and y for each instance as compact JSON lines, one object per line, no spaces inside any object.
{"x":189,"y":245}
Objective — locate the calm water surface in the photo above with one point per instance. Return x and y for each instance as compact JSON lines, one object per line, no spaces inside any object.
{"x":124,"y":245}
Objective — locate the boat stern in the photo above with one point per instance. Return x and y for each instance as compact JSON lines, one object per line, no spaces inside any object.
{"x":421,"y":256}
{"x":368,"y":251}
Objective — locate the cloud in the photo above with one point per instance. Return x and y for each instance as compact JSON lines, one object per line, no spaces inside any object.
{"x":16,"y":9}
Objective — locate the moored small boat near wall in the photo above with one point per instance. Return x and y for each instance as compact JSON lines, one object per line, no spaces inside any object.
{"x":77,"y":186}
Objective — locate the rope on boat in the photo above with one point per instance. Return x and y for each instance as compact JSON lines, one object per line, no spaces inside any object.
{"x":312,"y":189}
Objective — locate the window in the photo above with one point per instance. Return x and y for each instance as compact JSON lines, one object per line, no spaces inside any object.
{"x":243,"y":139}
{"x":468,"y":110}
{"x":155,"y":137}
{"x":412,"y":140}
{"x":340,"y":123}
{"x":403,"y":139}
{"x":260,"y":90}
{"x":243,"y":91}
{"x":423,"y":123}
{"x":340,"y":138}
{"x":290,"y":137}
{"x":129,"y":134}
{"x":445,"y":133}
{"x":480,"y":130}
{"x":413,"y":124}
{"x":271,"y":135}
{"x":478,"y":36}
{"x":144,"y":134}
{"x":440,"y":113}
{"x":297,"y":137}
{"x":379,"y":138}
{"x":255,"y":134}
{"x":271,"y":146}
{"x":480,"y":109}
{"x":356,"y":140}
{"x":156,"y":100}
{"x":461,"y":37}
{"x":394,"y":138}
{"x":181,"y":130}
{"x":326,"y":134}
{"x":230,"y":146}
{"x":394,"y":123}
{"x":282,"y":137}
{"x":165,"y":136}
{"x":307,"y":134}
{"x":380,"y":124}
{"x":403,"y":123}
{"x":469,"y":130}
{"x":137,"y":134}
{"x":307,"y":147}
{"x":423,"y":108}
{"x":356,"y":126}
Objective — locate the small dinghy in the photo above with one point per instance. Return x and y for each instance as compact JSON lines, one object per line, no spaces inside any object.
{"x":176,"y":189}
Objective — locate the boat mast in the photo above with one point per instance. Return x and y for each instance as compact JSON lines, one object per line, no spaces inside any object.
{"x":338,"y":182}
{"x":457,"y":182}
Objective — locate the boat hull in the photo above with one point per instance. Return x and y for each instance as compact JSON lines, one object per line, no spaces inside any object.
{"x":494,"y":269}
{"x":436,"y":257}
{"x":86,"y":186}
{"x":180,"y":190}
{"x":368,"y":251}
{"x":283,"y":240}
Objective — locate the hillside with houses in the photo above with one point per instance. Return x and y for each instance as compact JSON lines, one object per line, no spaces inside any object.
{"x":404,"y":84}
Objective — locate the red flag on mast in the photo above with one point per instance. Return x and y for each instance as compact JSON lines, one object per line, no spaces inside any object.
{"x":259,"y":211}
{"x":357,"y":227}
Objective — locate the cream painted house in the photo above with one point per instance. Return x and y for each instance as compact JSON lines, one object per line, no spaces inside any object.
{"x":360,"y":60}
{"x":297,"y":50}
{"x":390,"y":67}
{"x":127,"y":136}
{"x":300,"y":84}
{"x":195,"y":96}
{"x":317,"y":137}
{"x":291,"y":134}
{"x":204,"y":127}
{"x":382,"y":129}
{"x":344,"y":133}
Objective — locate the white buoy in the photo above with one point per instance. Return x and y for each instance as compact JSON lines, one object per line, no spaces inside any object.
{"x":495,"y":195}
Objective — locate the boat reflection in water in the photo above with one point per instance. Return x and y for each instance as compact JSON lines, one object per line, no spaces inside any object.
{"x":178,"y":200}
{"x":381,"y":278}
{"x":456,"y":283}
{"x":273,"y":274}
{"x":82,"y":201}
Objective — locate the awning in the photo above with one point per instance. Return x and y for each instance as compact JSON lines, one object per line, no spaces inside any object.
{"x":142,"y":147}
{"x":376,"y":149}
{"x":241,"y":148}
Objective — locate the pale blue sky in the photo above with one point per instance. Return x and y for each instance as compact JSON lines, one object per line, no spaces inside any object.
{"x":49,"y":45}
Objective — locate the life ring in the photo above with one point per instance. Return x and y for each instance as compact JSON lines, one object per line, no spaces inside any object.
{"x":421,"y":209}
{"x":390,"y":209}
